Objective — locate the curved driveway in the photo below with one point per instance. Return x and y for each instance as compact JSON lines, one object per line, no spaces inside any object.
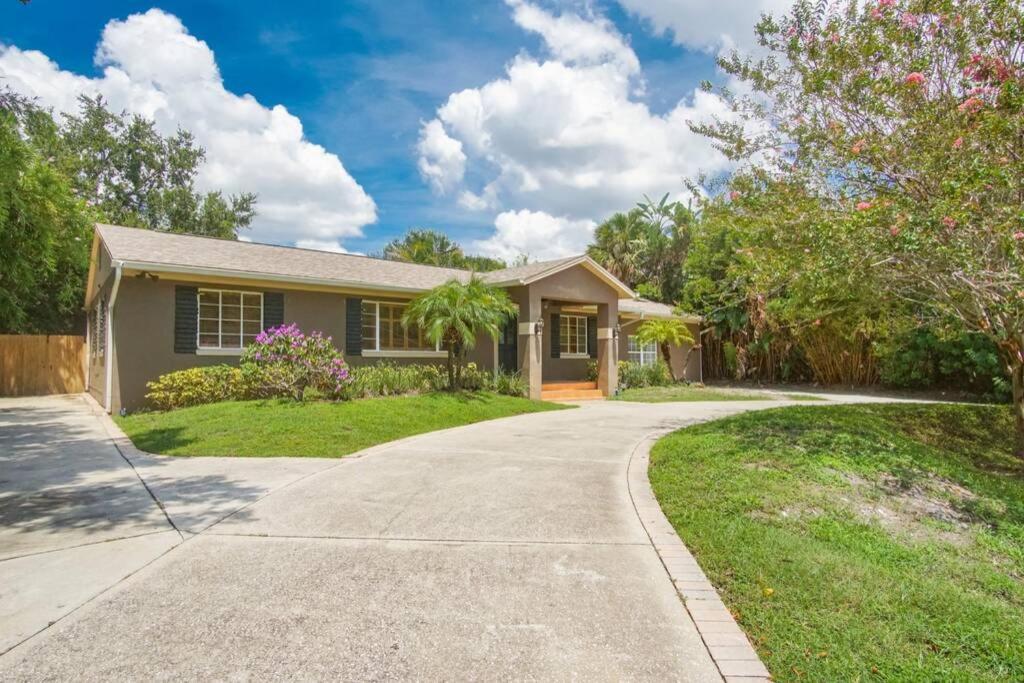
{"x":506,"y":549}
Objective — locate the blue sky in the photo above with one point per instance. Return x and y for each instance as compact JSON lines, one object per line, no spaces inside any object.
{"x":364,"y":77}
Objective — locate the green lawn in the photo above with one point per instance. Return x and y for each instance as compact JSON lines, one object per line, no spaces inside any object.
{"x":872,"y":542}
{"x":693,"y":392}
{"x":313,"y":429}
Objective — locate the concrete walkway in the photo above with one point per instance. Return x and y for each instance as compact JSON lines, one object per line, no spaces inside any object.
{"x":506,"y":549}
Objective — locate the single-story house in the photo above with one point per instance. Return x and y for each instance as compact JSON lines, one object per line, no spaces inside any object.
{"x":160,"y":302}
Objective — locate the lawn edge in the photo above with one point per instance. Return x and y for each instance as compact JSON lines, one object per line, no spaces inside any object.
{"x":726,"y":643}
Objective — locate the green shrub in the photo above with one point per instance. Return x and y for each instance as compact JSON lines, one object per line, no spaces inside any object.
{"x":636,"y":376}
{"x":390,"y":379}
{"x":196,"y":386}
{"x":510,"y":384}
{"x":633,"y":375}
{"x":921,"y":359}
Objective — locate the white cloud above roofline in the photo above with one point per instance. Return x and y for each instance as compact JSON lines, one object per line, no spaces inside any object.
{"x":151,"y":65}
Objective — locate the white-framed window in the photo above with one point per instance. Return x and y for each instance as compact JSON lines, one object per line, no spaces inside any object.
{"x":228,"y":319}
{"x":644,"y":354}
{"x":384,"y":333}
{"x":572,"y":331}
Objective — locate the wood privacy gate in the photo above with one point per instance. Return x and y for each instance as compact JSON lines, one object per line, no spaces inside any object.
{"x":33,"y":365}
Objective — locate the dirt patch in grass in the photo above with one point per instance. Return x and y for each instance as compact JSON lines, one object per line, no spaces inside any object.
{"x":929,"y":508}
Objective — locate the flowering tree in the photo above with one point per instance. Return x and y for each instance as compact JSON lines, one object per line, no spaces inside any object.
{"x":284,"y":361}
{"x":903,"y":120}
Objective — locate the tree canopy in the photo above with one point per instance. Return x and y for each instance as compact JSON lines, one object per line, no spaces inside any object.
{"x":59,"y":176}
{"x":433,"y":248}
{"x":885,"y":142}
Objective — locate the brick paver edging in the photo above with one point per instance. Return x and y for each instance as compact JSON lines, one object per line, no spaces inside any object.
{"x":728,"y":645}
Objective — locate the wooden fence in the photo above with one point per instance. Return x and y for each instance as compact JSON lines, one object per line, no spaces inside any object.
{"x":33,"y":365}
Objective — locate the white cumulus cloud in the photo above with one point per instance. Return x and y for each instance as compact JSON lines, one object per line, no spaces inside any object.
{"x":537,"y":235}
{"x":722,"y":25}
{"x":442,"y":162}
{"x":564,"y":140}
{"x":152,"y":66}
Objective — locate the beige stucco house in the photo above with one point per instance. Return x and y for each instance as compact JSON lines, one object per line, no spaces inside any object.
{"x":160,"y":302}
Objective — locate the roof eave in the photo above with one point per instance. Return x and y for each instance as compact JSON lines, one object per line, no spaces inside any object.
{"x":267,"y":277}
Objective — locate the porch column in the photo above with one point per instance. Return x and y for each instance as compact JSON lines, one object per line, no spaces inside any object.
{"x":607,"y":369}
{"x":529,"y":346}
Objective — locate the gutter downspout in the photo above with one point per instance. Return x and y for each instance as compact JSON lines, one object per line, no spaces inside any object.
{"x":109,"y":389}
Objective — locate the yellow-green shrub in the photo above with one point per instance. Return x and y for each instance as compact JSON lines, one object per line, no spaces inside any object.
{"x":196,"y":386}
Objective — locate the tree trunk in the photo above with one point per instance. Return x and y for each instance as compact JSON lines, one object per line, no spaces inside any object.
{"x":1017,"y":376}
{"x":451,"y":367}
{"x":666,"y":352}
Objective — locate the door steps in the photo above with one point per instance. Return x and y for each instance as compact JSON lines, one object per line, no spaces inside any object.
{"x":570,"y":391}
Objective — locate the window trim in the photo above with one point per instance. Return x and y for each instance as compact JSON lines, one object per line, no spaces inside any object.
{"x":642,"y":353}
{"x":585,"y":353}
{"x":220,"y":349}
{"x":377,"y":352}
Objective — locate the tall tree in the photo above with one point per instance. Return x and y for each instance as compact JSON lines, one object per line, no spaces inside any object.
{"x":646,"y":247}
{"x":132,"y":175}
{"x":905,"y":120}
{"x":434,"y":248}
{"x":45,"y":232}
{"x":428,"y":247}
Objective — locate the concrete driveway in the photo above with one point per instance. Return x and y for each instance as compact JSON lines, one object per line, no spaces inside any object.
{"x":506,"y":549}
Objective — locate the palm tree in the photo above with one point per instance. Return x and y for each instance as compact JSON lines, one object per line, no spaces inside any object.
{"x":665,"y":333}
{"x":429,"y":247}
{"x":454,"y":314}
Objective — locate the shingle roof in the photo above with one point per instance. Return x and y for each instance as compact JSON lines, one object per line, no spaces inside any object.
{"x":652,"y":309}
{"x":191,"y":253}
{"x":527,"y":272}
{"x":204,"y":253}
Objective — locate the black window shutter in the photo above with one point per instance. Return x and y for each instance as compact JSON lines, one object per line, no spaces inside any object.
{"x":592,"y":335}
{"x":354,"y":326}
{"x":556,"y":335}
{"x":186,"y":318}
{"x":273,"y":309}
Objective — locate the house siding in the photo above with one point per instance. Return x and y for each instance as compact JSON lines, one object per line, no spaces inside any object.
{"x":144,"y":330}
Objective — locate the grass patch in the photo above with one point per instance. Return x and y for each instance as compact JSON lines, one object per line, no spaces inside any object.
{"x":871,"y":542}
{"x":690,"y":392}
{"x":312,"y":429}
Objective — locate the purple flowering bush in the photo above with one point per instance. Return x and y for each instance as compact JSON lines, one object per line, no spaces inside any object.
{"x":283,"y":361}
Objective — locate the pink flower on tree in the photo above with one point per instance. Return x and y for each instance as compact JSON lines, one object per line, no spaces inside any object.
{"x":886,"y":3}
{"x":734,"y":195}
{"x":876,"y":13}
{"x":971,"y":105}
{"x":914,"y":78}
{"x":863,"y":206}
{"x":909,"y":20}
